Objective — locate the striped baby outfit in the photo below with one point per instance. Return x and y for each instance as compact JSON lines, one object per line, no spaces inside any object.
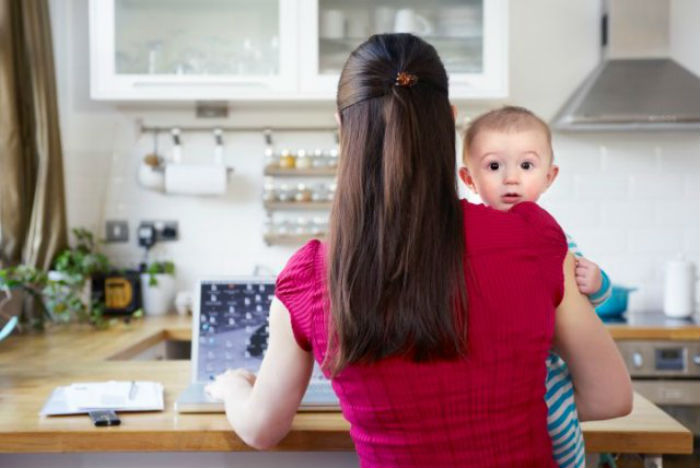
{"x":562,"y":420}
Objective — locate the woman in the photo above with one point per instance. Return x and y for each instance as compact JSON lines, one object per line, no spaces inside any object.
{"x":432,"y":316}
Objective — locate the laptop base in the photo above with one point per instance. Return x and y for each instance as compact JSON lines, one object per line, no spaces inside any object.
{"x":195,"y":400}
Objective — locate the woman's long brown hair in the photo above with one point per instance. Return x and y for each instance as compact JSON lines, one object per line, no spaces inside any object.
{"x":396,"y":239}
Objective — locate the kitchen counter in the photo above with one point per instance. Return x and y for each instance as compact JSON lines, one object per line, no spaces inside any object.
{"x":31,"y":366}
{"x":654,"y":326}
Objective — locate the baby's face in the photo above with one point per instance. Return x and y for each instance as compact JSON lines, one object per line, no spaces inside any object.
{"x":506,"y":168}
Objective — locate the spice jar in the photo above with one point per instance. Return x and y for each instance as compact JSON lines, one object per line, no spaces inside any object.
{"x":282,"y":227}
{"x":319,"y":193}
{"x":285,"y":193}
{"x":319,"y":226}
{"x":271,"y":159}
{"x":333,"y":158}
{"x":287,"y":160}
{"x":331,"y":190}
{"x":319,"y":160}
{"x":269,"y":190}
{"x":303,"y":226}
{"x":303,"y":160}
{"x":303,"y":193}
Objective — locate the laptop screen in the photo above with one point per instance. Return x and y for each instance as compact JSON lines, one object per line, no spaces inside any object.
{"x":233,"y":320}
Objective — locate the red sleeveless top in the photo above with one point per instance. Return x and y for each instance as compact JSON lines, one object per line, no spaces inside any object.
{"x":487,"y":409}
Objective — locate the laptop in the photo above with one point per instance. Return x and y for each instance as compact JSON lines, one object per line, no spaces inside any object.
{"x":230,"y":330}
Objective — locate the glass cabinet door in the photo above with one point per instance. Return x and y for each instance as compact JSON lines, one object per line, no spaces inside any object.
{"x":469,"y":35}
{"x":183,"y":49}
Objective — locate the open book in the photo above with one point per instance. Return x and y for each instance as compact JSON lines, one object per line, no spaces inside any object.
{"x":116,"y":395}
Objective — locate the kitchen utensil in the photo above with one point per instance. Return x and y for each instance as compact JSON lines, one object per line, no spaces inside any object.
{"x":383,"y":19}
{"x":679,"y":288}
{"x":616,"y":303}
{"x":150,"y":173}
{"x":333,"y":24}
{"x":149,"y":176}
{"x":408,"y":21}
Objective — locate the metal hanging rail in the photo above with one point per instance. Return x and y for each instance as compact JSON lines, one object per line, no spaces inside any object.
{"x":237,"y":128}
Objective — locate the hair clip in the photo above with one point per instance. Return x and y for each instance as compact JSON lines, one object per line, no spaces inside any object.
{"x":405,"y":79}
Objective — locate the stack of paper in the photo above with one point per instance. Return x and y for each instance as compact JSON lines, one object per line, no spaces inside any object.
{"x":117,"y":395}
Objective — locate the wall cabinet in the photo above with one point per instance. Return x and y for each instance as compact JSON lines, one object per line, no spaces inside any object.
{"x":280,"y":49}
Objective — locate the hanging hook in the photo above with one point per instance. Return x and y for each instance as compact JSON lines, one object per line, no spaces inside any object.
{"x":177,"y":149}
{"x":267,"y":134}
{"x":219,"y":148}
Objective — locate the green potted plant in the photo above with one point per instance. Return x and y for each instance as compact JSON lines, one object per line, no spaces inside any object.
{"x":70,"y":286}
{"x":22,"y":284}
{"x":61,"y":295}
{"x":158,"y":287}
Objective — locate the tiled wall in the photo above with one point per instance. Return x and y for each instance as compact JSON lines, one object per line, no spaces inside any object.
{"x":631,"y":200}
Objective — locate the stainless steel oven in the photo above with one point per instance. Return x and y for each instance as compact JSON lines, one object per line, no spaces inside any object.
{"x":667,"y":373}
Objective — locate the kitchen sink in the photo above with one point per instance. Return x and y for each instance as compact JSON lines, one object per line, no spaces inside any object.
{"x":161,"y":350}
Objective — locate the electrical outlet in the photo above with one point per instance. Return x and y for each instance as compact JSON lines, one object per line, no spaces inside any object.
{"x":164,"y":230}
{"x":117,"y":231}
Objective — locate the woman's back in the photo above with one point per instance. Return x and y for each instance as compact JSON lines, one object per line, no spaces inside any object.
{"x":486,"y":409}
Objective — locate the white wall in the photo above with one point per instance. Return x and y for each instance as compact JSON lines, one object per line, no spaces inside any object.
{"x":630,"y":200}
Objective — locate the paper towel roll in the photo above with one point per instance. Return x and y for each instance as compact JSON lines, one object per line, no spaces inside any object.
{"x":195,"y":179}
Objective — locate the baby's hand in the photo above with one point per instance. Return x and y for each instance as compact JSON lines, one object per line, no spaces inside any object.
{"x":588,"y":276}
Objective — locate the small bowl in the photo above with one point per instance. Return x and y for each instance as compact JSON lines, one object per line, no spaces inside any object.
{"x":616,"y":304}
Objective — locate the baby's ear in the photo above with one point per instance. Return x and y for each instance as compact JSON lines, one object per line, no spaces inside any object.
{"x":467,"y":179}
{"x":552,"y":174}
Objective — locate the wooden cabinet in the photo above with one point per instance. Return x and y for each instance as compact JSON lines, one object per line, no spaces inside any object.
{"x":234,"y":50}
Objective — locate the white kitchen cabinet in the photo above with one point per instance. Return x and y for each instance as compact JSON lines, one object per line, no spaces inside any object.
{"x":163,"y":50}
{"x":471,"y":37}
{"x":193,"y":49}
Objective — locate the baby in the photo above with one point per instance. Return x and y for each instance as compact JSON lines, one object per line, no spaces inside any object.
{"x":509,"y":159}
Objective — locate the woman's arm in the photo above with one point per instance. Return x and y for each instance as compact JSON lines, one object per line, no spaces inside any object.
{"x":602,"y":387}
{"x":261,"y":410}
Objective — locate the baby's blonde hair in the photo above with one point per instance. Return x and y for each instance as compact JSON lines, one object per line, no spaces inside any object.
{"x":505,"y":119}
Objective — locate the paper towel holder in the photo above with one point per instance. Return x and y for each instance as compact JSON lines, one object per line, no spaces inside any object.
{"x":197,"y":179}
{"x":175,"y":177}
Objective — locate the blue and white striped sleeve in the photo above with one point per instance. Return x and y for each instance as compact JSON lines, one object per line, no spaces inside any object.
{"x":600,"y":296}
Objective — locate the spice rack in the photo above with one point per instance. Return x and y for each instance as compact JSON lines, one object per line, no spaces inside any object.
{"x":300,"y":181}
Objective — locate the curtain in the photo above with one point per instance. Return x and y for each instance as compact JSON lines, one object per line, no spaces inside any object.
{"x":32,"y":198}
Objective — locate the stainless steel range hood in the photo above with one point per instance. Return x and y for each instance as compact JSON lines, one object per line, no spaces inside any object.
{"x":626,"y":94}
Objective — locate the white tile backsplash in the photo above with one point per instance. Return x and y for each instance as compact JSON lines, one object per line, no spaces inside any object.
{"x":601,"y":187}
{"x":659,"y":186}
{"x":655,"y":240}
{"x":677,"y":214}
{"x":623,"y":214}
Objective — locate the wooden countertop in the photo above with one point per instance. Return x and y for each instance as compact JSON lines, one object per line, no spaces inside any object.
{"x":651,"y":332}
{"x":31,"y":366}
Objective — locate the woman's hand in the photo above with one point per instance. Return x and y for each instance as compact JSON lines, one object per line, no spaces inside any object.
{"x":235,"y":384}
{"x":261,"y":409}
{"x":588,"y":276}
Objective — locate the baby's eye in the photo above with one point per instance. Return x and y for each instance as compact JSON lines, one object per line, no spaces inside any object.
{"x":494,"y":166}
{"x":526,"y":165}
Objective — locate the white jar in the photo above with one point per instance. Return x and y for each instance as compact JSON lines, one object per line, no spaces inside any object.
{"x":157,"y":299}
{"x":679,"y":288}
